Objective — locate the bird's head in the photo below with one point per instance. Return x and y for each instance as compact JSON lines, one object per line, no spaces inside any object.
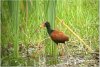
{"x":45,"y":24}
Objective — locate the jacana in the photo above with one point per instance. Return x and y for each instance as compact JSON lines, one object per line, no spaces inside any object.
{"x":56,"y":36}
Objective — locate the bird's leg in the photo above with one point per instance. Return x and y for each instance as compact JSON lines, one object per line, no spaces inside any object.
{"x":67,"y":49}
{"x":63,"y":50}
{"x":58,"y":47}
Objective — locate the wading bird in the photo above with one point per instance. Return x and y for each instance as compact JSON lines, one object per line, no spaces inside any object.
{"x":56,"y":36}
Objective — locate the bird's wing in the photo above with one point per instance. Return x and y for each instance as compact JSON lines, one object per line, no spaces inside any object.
{"x":56,"y":35}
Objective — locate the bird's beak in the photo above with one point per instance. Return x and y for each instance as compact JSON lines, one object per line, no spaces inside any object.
{"x":42,"y":25}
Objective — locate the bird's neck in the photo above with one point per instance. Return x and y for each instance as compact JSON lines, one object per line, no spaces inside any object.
{"x":49,"y":30}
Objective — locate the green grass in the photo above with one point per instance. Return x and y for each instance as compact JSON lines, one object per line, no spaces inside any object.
{"x":20,"y":21}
